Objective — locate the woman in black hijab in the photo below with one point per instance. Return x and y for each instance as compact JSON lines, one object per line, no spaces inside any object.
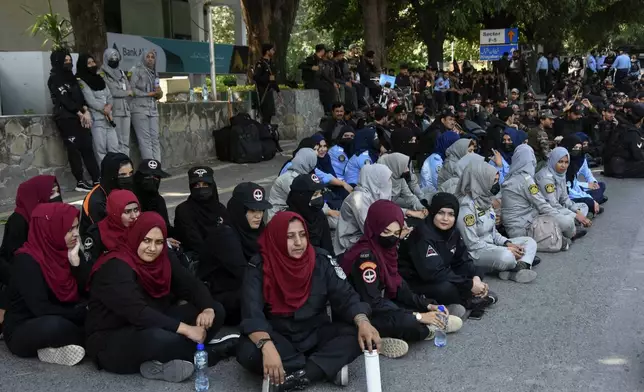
{"x":306,"y":199}
{"x":147,"y":181}
{"x":232,"y":245}
{"x":198,"y":216}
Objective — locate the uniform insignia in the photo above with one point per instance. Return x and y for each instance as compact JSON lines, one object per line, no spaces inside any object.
{"x":430,"y":252}
{"x":481,"y":213}
{"x":369,"y":275}
{"x":102,"y":74}
{"x":639,"y":145}
{"x":338,"y":270}
{"x":550,"y":188}
{"x":533,"y":189}
{"x":88,"y":243}
{"x":153,"y":164}
{"x":453,"y":250}
{"x":365,"y":255}
{"x":469,"y":220}
{"x":315,"y":178}
{"x":200,"y":172}
{"x":367,"y":265}
{"x":258,"y":195}
{"x":342,"y":158}
{"x":367,"y":161}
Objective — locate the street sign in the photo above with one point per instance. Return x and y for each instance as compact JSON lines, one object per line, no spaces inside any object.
{"x":495,"y":52}
{"x":499,"y":36}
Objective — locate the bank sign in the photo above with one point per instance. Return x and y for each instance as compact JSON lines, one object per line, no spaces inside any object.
{"x":179,"y":56}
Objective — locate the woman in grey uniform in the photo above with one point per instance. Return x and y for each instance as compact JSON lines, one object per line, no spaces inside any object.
{"x":99,"y":100}
{"x":511,"y":257}
{"x":145,"y":117}
{"x":401,"y":178}
{"x":552,"y":183}
{"x":453,"y":154}
{"x":116,"y":80}
{"x":525,"y":211}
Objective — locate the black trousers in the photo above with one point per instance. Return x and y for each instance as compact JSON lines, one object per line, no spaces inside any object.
{"x":337,"y":345}
{"x":619,"y":168}
{"x":446,"y":293}
{"x":44,"y":332}
{"x":78,"y":141}
{"x":124,"y":350}
{"x":543,"y":81}
{"x":399,"y":324}
{"x":231,"y":301}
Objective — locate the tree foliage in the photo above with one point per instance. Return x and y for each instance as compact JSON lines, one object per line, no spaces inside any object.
{"x":54,"y":28}
{"x":223,"y":24}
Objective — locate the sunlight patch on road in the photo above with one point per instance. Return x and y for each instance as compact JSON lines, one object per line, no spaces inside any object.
{"x":614,"y":361}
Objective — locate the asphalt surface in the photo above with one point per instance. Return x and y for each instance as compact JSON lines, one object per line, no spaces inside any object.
{"x":576,"y":328}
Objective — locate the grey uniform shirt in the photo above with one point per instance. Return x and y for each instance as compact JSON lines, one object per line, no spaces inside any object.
{"x":478,"y":227}
{"x":119,"y":90}
{"x":522,"y":202}
{"x":96,"y":100}
{"x":142,"y":82}
{"x":353,"y":214}
{"x":555,"y":192}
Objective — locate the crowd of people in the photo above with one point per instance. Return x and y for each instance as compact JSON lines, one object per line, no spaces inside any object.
{"x":376,"y":221}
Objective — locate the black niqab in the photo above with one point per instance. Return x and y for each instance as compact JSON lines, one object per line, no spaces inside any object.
{"x":316,"y":222}
{"x":110,"y":166}
{"x":207,"y":214}
{"x":247,"y":235}
{"x":57,"y":59}
{"x":92,"y":79}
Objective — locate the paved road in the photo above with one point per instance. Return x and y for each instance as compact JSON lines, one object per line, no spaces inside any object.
{"x":576,"y":328}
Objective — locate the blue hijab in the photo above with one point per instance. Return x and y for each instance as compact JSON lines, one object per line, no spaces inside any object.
{"x":364,"y":141}
{"x":444,"y":142}
{"x":324,"y":164}
{"x":507,"y":155}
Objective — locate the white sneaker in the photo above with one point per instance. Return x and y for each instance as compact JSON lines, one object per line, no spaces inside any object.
{"x":454,"y":324}
{"x":66,"y":355}
{"x":224,"y":338}
{"x":176,"y":370}
{"x":342,"y":378}
{"x":393,"y":348}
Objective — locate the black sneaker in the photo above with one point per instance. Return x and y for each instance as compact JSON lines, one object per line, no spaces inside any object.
{"x":82,"y":186}
{"x":219,"y":349}
{"x":536,"y":261}
{"x":580,"y":233}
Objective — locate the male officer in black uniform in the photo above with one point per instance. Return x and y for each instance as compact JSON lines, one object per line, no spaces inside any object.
{"x":264,"y":78}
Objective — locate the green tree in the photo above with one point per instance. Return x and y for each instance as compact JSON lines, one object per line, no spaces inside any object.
{"x":223,"y":24}
{"x":304,"y":37}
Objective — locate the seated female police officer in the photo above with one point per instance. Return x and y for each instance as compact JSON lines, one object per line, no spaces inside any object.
{"x":525,"y":211}
{"x":110,"y":233}
{"x":287,"y":335}
{"x":552,"y":182}
{"x":371,"y":266}
{"x":511,"y":257}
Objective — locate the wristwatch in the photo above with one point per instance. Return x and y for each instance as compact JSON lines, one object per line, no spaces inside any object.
{"x":419,"y":317}
{"x":261,"y":342}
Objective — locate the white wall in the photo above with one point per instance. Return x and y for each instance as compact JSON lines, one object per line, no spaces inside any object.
{"x":141,"y":17}
{"x":14,"y":22}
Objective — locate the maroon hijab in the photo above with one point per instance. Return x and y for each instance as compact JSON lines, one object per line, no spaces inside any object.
{"x":112,"y":231}
{"x":32,"y":192}
{"x":287,"y":280}
{"x":46,"y":244}
{"x":380,"y":215}
{"x":154,"y":277}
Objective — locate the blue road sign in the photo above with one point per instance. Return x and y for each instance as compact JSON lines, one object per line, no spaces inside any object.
{"x":512,"y":35}
{"x":495,"y":52}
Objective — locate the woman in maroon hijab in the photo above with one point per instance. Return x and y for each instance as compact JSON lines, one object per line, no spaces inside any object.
{"x":287,"y":334}
{"x":372,"y":268}
{"x":134,"y":324}
{"x":123,"y":210}
{"x":46,"y":310}
{"x":39,"y":189}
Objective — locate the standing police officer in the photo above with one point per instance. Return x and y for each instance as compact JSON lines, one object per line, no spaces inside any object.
{"x":264,"y":78}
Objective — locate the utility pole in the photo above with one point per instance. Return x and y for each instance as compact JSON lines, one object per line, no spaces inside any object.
{"x":211,"y":44}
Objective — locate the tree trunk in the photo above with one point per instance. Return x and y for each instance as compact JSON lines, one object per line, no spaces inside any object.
{"x":270,"y":21}
{"x":432,"y":34}
{"x":375,"y":26}
{"x":88,"y":22}
{"x":435,"y":48}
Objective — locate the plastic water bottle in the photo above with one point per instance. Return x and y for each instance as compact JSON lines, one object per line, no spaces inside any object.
{"x":372,"y":369}
{"x":202,"y":383}
{"x":192,"y":94}
{"x":204,"y":92}
{"x":440,"y":336}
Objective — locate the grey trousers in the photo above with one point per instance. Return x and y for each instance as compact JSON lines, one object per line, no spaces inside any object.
{"x":500,"y":258}
{"x":147,"y":134}
{"x":123,"y":133}
{"x":104,"y":140}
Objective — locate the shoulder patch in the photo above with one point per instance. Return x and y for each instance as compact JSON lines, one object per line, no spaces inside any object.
{"x":88,"y":243}
{"x":102,"y":73}
{"x":533,"y":189}
{"x":369,"y":275}
{"x":368,"y":265}
{"x":469,"y":220}
{"x":342,"y":158}
{"x":430,"y":251}
{"x":550,"y":188}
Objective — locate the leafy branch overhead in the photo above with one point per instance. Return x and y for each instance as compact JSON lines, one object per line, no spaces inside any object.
{"x":54,"y":28}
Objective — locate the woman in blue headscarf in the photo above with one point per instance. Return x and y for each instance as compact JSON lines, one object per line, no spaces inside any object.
{"x":433,"y":163}
{"x":590,"y":185}
{"x":365,"y":152}
{"x":324,"y":170}
{"x":504,"y":149}
{"x":580,"y":191}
